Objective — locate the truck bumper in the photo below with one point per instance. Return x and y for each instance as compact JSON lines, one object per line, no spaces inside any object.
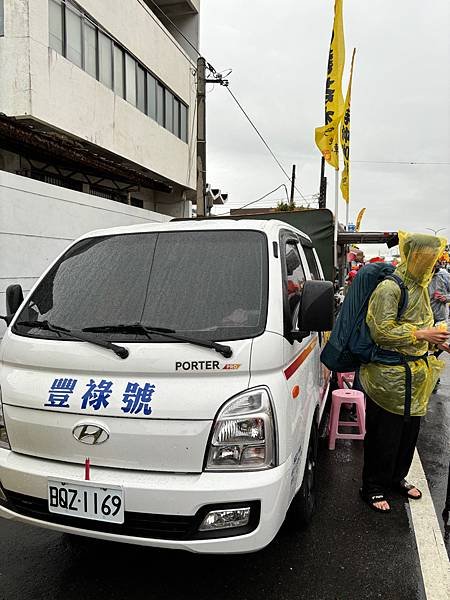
{"x":175,"y":502}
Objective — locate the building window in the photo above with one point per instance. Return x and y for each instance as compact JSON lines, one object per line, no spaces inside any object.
{"x":90,"y":49}
{"x":176,"y":117}
{"x":136,"y":202}
{"x":108,"y":194}
{"x":73,"y":34}
{"x":119,"y":71}
{"x":55,"y":23}
{"x":140,"y":88}
{"x":130,"y":79}
{"x":169,"y":111}
{"x":160,"y":104}
{"x":73,"y":37}
{"x":183,"y":123}
{"x":151,"y":96}
{"x":54,"y":179}
{"x":2,"y":18}
{"x":104,"y":59}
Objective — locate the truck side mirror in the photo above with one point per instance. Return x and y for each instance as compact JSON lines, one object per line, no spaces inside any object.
{"x":316,"y":306}
{"x":14,"y":298}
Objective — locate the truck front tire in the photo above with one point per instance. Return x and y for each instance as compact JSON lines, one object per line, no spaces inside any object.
{"x":304,"y":503}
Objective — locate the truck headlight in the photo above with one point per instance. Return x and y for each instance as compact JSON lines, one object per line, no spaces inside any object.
{"x":243,"y":434}
{"x":4,"y":442}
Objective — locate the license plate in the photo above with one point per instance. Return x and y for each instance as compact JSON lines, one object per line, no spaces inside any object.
{"x":86,"y":501}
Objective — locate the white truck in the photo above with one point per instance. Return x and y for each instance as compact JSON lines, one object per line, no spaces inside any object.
{"x":161,"y":385}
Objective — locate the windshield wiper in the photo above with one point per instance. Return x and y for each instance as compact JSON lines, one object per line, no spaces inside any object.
{"x":147,"y":330}
{"x":119,"y":350}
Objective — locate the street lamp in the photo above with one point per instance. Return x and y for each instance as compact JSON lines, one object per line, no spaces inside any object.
{"x":435,"y":231}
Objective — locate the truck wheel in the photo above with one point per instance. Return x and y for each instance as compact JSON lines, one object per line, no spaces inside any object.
{"x":304,"y":503}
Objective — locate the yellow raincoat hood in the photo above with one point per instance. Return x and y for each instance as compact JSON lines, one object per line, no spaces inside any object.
{"x":419,"y":253}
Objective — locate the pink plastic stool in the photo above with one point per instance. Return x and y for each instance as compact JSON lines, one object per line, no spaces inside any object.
{"x":346,"y":396}
{"x":345,"y":380}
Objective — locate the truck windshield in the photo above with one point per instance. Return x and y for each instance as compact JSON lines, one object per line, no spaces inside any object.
{"x":211,"y":284}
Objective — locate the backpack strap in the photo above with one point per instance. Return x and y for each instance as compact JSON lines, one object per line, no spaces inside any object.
{"x":408,"y":391}
{"x":403,"y":302}
{"x":408,"y":382}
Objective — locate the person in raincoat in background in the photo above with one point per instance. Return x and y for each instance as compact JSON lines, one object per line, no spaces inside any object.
{"x":439,"y":290}
{"x":391,"y":433}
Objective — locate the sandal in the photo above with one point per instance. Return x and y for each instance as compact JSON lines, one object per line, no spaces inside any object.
{"x":372,"y":499}
{"x":403,"y":488}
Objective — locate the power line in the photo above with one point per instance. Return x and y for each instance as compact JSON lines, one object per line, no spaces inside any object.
{"x":263,"y":141}
{"x":215,"y":73}
{"x":400,"y":162}
{"x":261,"y":198}
{"x":268,"y":194}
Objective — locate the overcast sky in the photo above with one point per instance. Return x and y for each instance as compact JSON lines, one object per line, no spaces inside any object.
{"x":278,"y":52}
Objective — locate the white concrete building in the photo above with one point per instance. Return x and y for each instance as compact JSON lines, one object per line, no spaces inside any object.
{"x":97,"y":108}
{"x":99,"y":95}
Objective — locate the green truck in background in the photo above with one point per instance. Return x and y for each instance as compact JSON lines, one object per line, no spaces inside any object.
{"x":318,"y":224}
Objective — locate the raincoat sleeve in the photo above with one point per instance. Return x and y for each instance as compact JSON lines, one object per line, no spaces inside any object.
{"x":381,"y":319}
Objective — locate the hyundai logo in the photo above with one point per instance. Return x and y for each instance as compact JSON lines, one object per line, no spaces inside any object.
{"x":90,"y":434}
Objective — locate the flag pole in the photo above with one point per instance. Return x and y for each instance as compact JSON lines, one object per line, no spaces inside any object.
{"x":346,"y":216}
{"x":336,"y":215}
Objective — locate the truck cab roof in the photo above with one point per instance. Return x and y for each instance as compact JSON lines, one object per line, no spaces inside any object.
{"x":270,"y":227}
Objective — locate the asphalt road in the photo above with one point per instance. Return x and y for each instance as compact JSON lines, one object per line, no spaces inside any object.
{"x":348,"y":553}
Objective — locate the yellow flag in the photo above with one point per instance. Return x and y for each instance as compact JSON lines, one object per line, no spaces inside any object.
{"x":345,"y":138}
{"x":327,"y":136}
{"x":359,"y":218}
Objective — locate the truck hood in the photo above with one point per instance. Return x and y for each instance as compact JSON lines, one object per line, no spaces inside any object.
{"x":182,"y":381}
{"x":157,"y":406}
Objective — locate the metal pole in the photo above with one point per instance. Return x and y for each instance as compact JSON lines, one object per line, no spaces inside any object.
{"x":201,"y":137}
{"x":323,"y":186}
{"x":292,"y":186}
{"x":336,"y":215}
{"x":346,"y":215}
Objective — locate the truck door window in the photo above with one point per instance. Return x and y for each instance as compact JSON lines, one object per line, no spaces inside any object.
{"x":295,"y":274}
{"x":312,"y":264}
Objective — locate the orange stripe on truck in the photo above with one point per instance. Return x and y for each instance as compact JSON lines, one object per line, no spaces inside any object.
{"x":300,"y":359}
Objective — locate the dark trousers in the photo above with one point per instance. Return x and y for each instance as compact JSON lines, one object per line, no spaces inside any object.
{"x":388,"y":448}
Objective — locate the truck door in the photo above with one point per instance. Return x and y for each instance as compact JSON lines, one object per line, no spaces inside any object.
{"x":300,"y":356}
{"x":322,"y":372}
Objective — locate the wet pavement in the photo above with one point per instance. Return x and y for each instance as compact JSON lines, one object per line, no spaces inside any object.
{"x":348,"y":553}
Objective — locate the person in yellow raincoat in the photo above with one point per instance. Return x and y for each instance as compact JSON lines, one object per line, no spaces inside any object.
{"x":397,"y":395}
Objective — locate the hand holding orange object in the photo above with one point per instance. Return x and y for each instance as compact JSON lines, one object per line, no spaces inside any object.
{"x":433,"y":335}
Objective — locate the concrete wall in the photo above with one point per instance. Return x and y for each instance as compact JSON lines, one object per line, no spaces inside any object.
{"x":36,"y":81}
{"x":38,"y":220}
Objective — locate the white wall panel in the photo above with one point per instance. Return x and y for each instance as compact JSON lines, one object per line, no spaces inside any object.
{"x":38,"y":220}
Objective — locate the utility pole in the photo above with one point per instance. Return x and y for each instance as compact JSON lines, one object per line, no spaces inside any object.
{"x":292,"y":187}
{"x":201,"y":137}
{"x":202,"y":208}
